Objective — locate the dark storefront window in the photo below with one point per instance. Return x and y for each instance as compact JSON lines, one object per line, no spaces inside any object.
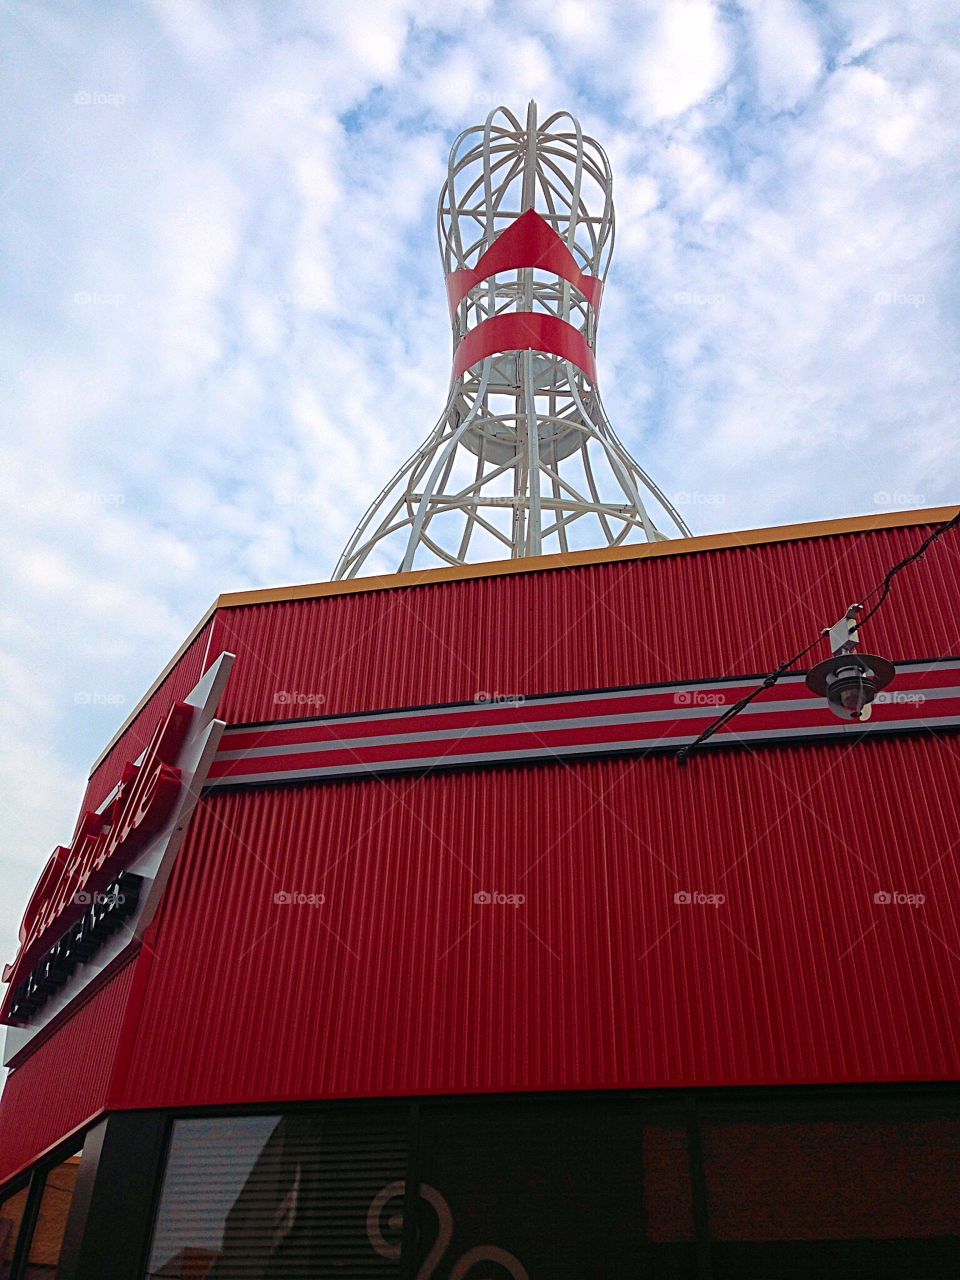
{"x":872,"y":1194}
{"x":43,"y":1242}
{"x":552,"y":1189}
{"x":605,"y":1187}
{"x":278,"y":1197}
{"x":11,"y":1215}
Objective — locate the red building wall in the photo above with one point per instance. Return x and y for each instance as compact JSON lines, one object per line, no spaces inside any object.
{"x":725,"y":612}
{"x":66,"y":1081}
{"x":399,"y":983}
{"x":175,"y":685}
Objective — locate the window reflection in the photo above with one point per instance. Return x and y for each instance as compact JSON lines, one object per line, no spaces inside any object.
{"x":565,"y":1190}
{"x":871,"y":1195}
{"x":277,"y":1197}
{"x":11,"y":1214}
{"x":570,"y":1189}
{"x":46,"y":1243}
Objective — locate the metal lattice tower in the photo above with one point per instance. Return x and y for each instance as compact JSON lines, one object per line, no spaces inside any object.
{"x":523,"y":460}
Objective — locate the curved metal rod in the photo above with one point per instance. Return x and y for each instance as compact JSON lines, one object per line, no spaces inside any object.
{"x":552,"y":442}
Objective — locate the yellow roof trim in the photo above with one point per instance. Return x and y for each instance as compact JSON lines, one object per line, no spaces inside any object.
{"x":574,"y":559}
{"x":539,"y":564}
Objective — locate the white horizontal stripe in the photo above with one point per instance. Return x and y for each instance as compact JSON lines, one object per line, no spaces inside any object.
{"x":542,"y":752}
{"x":745,"y":683}
{"x":671,"y":715}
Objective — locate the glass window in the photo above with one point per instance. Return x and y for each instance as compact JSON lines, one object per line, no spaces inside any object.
{"x":46,"y":1243}
{"x":11,"y":1214}
{"x":567,"y":1190}
{"x":872,"y":1194}
{"x":280,"y":1197}
{"x":570,"y":1189}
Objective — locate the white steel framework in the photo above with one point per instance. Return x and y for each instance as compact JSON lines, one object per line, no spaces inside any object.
{"x":523,"y":460}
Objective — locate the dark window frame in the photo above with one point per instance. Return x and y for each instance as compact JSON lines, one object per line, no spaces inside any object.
{"x":689,"y":1109}
{"x":25,"y":1182}
{"x":35,"y":1180}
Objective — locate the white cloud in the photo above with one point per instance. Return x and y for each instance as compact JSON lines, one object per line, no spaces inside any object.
{"x":683,"y":56}
{"x":789,"y":58}
{"x":265,"y":337}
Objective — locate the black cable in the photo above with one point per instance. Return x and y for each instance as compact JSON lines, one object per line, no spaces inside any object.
{"x":884,"y":587}
{"x":770,"y":680}
{"x":768,"y":683}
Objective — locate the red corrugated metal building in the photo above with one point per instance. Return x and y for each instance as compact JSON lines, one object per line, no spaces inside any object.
{"x":453,"y":970}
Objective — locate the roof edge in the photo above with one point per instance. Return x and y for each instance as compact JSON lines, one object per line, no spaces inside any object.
{"x":575,"y":559}
{"x":538,"y":564}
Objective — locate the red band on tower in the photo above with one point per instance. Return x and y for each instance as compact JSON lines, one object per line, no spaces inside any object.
{"x":530,"y":242}
{"x":525,"y":331}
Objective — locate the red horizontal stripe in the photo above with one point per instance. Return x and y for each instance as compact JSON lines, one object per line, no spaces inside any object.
{"x":483,"y":713}
{"x":546,"y":739}
{"x":520,"y":712}
{"x":529,"y":242}
{"x":525,"y":331}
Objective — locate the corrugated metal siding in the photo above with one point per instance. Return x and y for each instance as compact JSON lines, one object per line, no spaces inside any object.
{"x":176,"y":686}
{"x":66,"y":1080}
{"x":678,"y":617}
{"x":399,"y":982}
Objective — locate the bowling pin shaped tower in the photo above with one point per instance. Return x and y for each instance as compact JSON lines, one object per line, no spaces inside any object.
{"x":523,"y":460}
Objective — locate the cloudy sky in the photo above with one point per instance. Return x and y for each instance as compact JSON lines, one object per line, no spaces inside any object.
{"x":223,"y":320}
